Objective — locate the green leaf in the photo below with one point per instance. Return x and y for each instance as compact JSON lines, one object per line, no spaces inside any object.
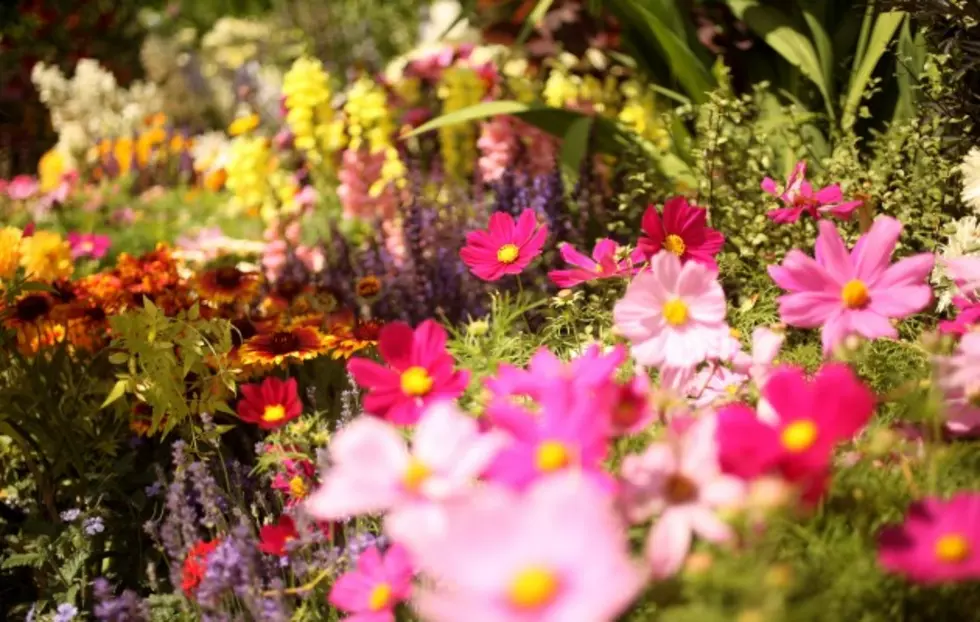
{"x":911,"y":61}
{"x":684,"y":63}
{"x":118,"y":390}
{"x":574,"y":145}
{"x":477,"y":112}
{"x":118,"y":358}
{"x":781,"y":34}
{"x":822,"y":44}
{"x":19,"y":560}
{"x":881,"y":36}
{"x":35,"y":286}
{"x":533,"y":19}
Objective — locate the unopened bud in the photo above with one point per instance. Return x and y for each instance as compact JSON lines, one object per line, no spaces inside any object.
{"x":478,"y":328}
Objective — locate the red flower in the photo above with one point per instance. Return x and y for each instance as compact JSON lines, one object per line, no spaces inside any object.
{"x":419,"y":372}
{"x":682,"y":231}
{"x":270,"y":405}
{"x":505,"y":247}
{"x":273,"y":538}
{"x":196,"y":564}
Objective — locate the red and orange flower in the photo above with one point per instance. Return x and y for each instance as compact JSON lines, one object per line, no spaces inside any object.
{"x":273,"y":538}
{"x":295,"y":344}
{"x":196,"y":565}
{"x":227,"y":284}
{"x":271,"y":404}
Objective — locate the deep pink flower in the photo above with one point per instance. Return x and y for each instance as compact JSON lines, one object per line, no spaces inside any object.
{"x":419,"y":371}
{"x":938,"y":542}
{"x":683,"y":231}
{"x":271,"y":404}
{"x":799,"y":197}
{"x":631,"y":412}
{"x":296,"y":481}
{"x":673,"y":314}
{"x":505,"y":247}
{"x":556,"y":553}
{"x":856,"y":292}
{"x":812,"y":417}
{"x":273,"y":538}
{"x":22,"y":187}
{"x":602,"y":265}
{"x":88,"y":245}
{"x":593,"y":372}
{"x":967,"y":317}
{"x":679,"y":482}
{"x":372,"y":590}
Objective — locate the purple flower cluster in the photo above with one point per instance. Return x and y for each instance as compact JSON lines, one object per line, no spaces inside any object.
{"x":127,"y":607}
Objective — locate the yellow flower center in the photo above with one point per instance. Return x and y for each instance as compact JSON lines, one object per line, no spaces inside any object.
{"x":416,"y":381}
{"x":274,"y":412}
{"x":533,"y":588}
{"x":799,"y":435}
{"x":508,"y":253}
{"x":675,"y":311}
{"x":675,"y":244}
{"x":731,"y":389}
{"x":598,"y":268}
{"x":415,"y":474}
{"x":855,"y":294}
{"x":297,"y":487}
{"x":552,"y":456}
{"x":380,"y":597}
{"x":952,"y":548}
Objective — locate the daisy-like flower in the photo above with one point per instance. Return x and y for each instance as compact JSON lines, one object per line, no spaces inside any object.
{"x":29,"y":309}
{"x":810,"y":418}
{"x":558,"y":552}
{"x":959,"y":380}
{"x":88,"y":245}
{"x":227,"y":284}
{"x":682,"y":231}
{"x":938,"y":542}
{"x":602,"y":265}
{"x":681,"y":483}
{"x":270,"y":405}
{"x":715,"y":385}
{"x":854,"y":292}
{"x":368,"y":287}
{"x":273,"y":538}
{"x":374,"y":470}
{"x":10,"y":238}
{"x":505,"y":247}
{"x":419,"y":371}
{"x":296,"y":482}
{"x":970,"y":168}
{"x":299,"y":343}
{"x":348,"y":340}
{"x":766,"y":345}
{"x":632,"y":411}
{"x":673,"y":314}
{"x":375,"y":586}
{"x":799,"y":197}
{"x":46,"y":257}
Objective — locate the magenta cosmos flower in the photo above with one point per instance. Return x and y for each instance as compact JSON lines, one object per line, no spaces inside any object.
{"x":602,"y":265}
{"x":811,"y":418}
{"x":374,"y":470}
{"x":938,"y":542}
{"x":88,"y":245}
{"x":800,"y":198}
{"x":371,"y":590}
{"x":683,"y":231}
{"x":419,"y":371}
{"x":680,"y":482}
{"x":505,"y":247}
{"x":855,"y":292}
{"x":674,"y":315}
{"x":557,"y":552}
{"x":593,"y":372}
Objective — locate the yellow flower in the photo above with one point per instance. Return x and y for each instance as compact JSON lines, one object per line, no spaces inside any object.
{"x":243,"y":125}
{"x":459,"y":87}
{"x":46,"y":257}
{"x":306,"y":87}
{"x":9,"y":251}
{"x":50,"y":169}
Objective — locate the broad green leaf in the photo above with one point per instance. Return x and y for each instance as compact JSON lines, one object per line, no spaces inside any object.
{"x":118,"y":358}
{"x":533,"y":18}
{"x":821,"y":43}
{"x":782,"y":35}
{"x":881,"y":36}
{"x":574,"y":146}
{"x":911,"y":60}
{"x":684,"y":63}
{"x":477,"y":112}
{"x":118,"y":390}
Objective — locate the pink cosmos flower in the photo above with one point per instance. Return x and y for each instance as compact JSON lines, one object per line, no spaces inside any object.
{"x":632,"y":412}
{"x":505,"y":247}
{"x":593,"y":372}
{"x":22,"y":187}
{"x":88,"y":245}
{"x":967,"y":317}
{"x":568,"y":433}
{"x":602,"y":264}
{"x":374,"y":470}
{"x":938,"y":542}
{"x":959,"y":380}
{"x":800,"y":198}
{"x":674,"y":315}
{"x":419,"y":371}
{"x":680,"y":482}
{"x":683,"y":231}
{"x":965,"y":272}
{"x":715,"y":385}
{"x":371,"y":591}
{"x":295,"y":483}
{"x":766,"y":345}
{"x":856,"y":292}
{"x":812,"y":417}
{"x":558,"y":553}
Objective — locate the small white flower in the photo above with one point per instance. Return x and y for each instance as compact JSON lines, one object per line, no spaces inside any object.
{"x":971,"y":178}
